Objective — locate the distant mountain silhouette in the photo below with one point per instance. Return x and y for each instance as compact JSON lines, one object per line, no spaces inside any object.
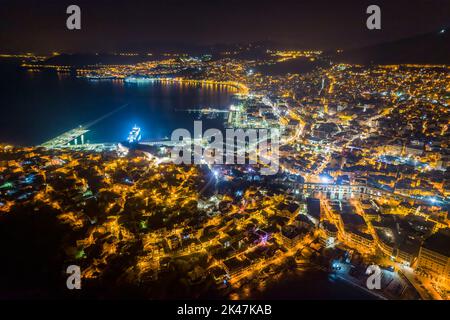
{"x":83,"y":59}
{"x":253,"y":50}
{"x":431,"y":48}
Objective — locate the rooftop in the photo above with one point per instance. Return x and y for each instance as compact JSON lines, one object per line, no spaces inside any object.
{"x":439,"y":242}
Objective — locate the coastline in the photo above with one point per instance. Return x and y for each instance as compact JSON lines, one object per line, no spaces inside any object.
{"x":314,"y":284}
{"x":375,"y":294}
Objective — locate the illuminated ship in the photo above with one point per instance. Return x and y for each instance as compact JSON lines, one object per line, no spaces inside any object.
{"x":138,"y":79}
{"x":135,"y":135}
{"x":95,"y":76}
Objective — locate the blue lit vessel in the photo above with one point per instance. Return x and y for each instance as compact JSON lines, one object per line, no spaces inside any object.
{"x":135,"y":135}
{"x":96,"y":77}
{"x":138,"y":79}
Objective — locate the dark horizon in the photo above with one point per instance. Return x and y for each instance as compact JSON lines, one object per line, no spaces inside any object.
{"x":39,"y":26}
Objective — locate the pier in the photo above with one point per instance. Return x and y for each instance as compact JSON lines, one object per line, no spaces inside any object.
{"x":71,"y":136}
{"x":66,"y":138}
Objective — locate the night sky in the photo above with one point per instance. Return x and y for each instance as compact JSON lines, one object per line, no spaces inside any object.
{"x":39,"y":26}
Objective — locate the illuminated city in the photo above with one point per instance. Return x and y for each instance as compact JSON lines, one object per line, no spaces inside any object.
{"x":362,"y":177}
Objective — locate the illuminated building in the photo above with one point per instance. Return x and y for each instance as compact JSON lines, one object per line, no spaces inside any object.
{"x":434,"y":256}
{"x":329,"y":235}
{"x":290,"y":236}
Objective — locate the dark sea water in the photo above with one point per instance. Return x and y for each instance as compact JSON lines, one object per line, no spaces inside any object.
{"x":36,"y":107}
{"x":312,"y":285}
